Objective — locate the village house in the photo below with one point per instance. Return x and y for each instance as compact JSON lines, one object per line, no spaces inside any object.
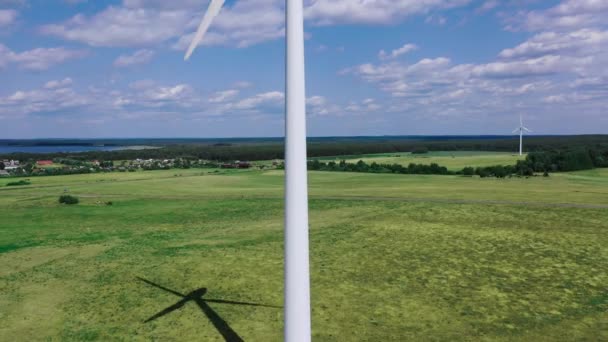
{"x":10,"y":165}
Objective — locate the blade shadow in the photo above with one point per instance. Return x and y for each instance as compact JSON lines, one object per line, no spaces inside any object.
{"x":161,"y":287}
{"x":222,"y":326}
{"x":168,"y":310}
{"x":221,"y":301}
{"x":197,"y":296}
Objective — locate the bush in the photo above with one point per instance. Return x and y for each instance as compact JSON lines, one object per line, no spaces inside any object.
{"x":21,"y":182}
{"x":468,"y":171}
{"x":67,"y":199}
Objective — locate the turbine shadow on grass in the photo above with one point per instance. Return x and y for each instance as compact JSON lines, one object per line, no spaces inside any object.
{"x":197,"y":296}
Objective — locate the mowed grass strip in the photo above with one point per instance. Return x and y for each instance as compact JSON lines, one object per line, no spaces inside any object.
{"x":381,"y":270}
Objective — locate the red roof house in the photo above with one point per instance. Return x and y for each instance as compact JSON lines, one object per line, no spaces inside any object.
{"x":44,"y":162}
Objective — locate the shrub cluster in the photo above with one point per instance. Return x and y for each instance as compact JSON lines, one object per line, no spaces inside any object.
{"x":68,"y":199}
{"x":361,"y":166}
{"x":18,"y":183}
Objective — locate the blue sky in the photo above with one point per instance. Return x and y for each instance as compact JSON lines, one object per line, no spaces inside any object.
{"x":84,"y":68}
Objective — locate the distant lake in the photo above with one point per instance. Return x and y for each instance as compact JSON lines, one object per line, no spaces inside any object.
{"x":57,"y":149}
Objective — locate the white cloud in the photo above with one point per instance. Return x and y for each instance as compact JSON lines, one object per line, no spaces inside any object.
{"x":580,"y":42}
{"x":397,"y":52}
{"x":488,"y":5}
{"x":173,"y":93}
{"x":569,"y":14}
{"x":382,"y":12}
{"x":44,"y":100}
{"x":58,"y":83}
{"x":272,"y":98}
{"x":551,"y":72}
{"x":223,"y":96}
{"x":120,"y":26}
{"x":138,"y":57}
{"x":150,"y":23}
{"x":7,"y":17}
{"x":244,"y":24}
{"x":544,"y":65}
{"x":241,"y":24}
{"x":316,"y":101}
{"x":40,"y":58}
{"x":164,"y":4}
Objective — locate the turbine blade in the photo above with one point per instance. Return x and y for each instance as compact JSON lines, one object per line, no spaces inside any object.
{"x":516,"y":130}
{"x":527,"y":130}
{"x":214,"y":9}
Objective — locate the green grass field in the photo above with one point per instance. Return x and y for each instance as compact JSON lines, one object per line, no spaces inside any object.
{"x":455,"y":160}
{"x":393,"y":257}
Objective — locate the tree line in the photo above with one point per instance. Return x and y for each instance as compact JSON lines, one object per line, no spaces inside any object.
{"x":536,"y":162}
{"x":361,"y":166}
{"x":268,"y":149}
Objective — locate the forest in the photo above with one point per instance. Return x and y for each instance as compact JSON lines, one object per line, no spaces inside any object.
{"x":272,"y":148}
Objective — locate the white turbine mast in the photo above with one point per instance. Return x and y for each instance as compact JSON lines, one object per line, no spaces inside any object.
{"x":297,"y":326}
{"x":521,"y":130}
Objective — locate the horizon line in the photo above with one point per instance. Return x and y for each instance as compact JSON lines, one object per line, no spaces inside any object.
{"x":311,"y":137}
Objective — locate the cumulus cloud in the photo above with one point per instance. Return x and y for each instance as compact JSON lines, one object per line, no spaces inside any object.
{"x":551,"y":72}
{"x":40,"y":58}
{"x":567,"y":15}
{"x":121,"y":26}
{"x":150,"y":23}
{"x":579,"y":42}
{"x":241,"y":24}
{"x":44,"y":100}
{"x":407,"y":48}
{"x":138,"y":57}
{"x":329,"y":12}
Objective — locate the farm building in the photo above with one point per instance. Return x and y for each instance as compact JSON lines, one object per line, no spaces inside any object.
{"x":44,"y":162}
{"x":237,"y":165}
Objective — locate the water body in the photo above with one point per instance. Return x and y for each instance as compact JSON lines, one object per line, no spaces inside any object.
{"x":56,"y":149}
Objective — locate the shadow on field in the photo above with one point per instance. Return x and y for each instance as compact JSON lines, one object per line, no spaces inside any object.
{"x":197,"y":296}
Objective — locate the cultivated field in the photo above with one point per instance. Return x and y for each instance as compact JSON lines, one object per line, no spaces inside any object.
{"x":394,"y":257}
{"x":453,"y":160}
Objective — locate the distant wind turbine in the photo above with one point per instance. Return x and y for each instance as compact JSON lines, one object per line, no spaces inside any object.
{"x":297,"y":279}
{"x":521,"y":130}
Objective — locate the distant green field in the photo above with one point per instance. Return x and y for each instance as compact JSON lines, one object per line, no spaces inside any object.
{"x":393,"y":257}
{"x":456,"y":160}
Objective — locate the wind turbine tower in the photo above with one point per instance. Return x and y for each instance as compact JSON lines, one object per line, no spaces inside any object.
{"x":521,"y":130}
{"x":297,"y":278}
